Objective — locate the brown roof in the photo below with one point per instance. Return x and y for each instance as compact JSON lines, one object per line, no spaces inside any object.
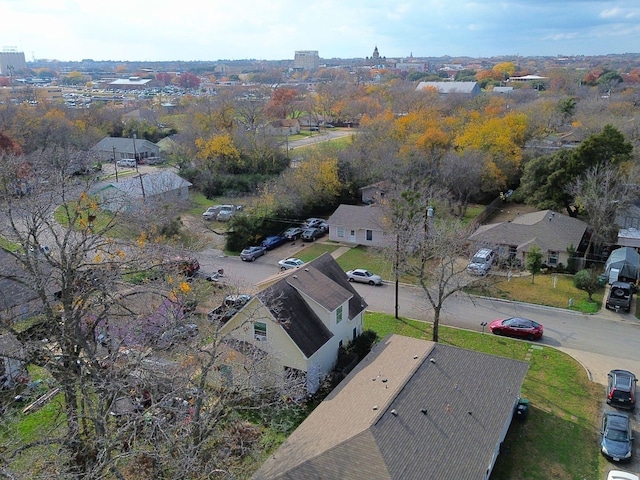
{"x":549,"y":230}
{"x":405,"y":412}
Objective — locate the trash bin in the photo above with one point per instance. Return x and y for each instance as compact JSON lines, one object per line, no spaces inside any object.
{"x":602,"y":280}
{"x":522,"y":410}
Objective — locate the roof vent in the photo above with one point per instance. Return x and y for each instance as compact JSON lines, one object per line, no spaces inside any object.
{"x":375,"y":407}
{"x":424,"y":411}
{"x":415,"y":357}
{"x":306,"y":269}
{"x":432,"y":360}
{"x":295,"y":276}
{"x":394,"y":412}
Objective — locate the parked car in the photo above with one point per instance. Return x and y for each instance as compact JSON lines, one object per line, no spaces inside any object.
{"x":620,"y":475}
{"x":616,"y":436}
{"x":288,"y":263}
{"x":312,"y":222}
{"x":481,"y":262}
{"x":621,"y":389}
{"x":311,"y":234}
{"x":249,"y":254}
{"x":231,"y":305}
{"x":273,"y":241}
{"x":216,"y":278}
{"x":293,"y":233}
{"x":620,"y":296}
{"x":364,"y":276}
{"x":517,"y":327}
{"x":226,"y":212}
{"x":126,"y":163}
{"x":212,"y":212}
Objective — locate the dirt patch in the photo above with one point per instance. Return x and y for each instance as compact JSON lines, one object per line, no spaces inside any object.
{"x":509,"y":212}
{"x":204,"y":231}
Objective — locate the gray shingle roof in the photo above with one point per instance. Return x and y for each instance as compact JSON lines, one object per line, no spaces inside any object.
{"x":450,"y":87}
{"x":153,"y":183}
{"x":399,"y":415}
{"x":548,"y":230}
{"x":372,"y":217}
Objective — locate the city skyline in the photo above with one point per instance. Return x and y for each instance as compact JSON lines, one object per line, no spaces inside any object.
{"x":200,"y":30}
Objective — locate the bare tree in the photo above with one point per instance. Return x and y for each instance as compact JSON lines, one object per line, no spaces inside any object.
{"x":601,"y":193}
{"x":127,"y":400}
{"x":431,"y":248}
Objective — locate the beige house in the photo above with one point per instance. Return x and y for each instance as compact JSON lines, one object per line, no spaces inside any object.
{"x":299,"y":321}
{"x":361,"y":225}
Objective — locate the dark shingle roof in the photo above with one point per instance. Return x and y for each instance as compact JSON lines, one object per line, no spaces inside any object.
{"x":152,"y":184}
{"x":296,"y":317}
{"x":399,"y":415}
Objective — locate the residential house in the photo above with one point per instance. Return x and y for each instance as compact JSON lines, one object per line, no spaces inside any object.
{"x":300,"y":319}
{"x":410,"y":410}
{"x":468,"y":89}
{"x":374,"y":193}
{"x":361,"y":225}
{"x":112,"y":149}
{"x":133,"y":192}
{"x":282,"y":127}
{"x":552,"y":232}
{"x":13,"y":368}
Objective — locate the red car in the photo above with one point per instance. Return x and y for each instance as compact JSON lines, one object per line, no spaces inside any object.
{"x":517,"y":327}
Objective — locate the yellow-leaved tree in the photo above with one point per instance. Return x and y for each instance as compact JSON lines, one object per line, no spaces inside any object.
{"x":218,"y":153}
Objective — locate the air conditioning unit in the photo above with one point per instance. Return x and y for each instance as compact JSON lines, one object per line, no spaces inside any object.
{"x":261,"y":338}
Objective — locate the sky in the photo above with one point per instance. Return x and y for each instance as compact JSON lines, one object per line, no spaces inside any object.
{"x":210,"y":30}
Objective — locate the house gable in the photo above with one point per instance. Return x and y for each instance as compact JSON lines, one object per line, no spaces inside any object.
{"x":365,"y":221}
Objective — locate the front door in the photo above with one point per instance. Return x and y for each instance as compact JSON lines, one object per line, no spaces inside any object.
{"x":352,"y":236}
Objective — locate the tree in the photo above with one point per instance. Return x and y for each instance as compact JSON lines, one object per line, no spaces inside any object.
{"x":429,"y":249}
{"x":533,"y":263}
{"x":188,"y":80}
{"x":587,"y":280}
{"x":104,"y":302}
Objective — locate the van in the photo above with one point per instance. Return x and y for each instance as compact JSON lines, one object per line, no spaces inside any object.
{"x":481,"y":262}
{"x":126,"y":163}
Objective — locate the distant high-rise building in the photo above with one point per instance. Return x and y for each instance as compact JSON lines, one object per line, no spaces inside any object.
{"x":11,"y":61}
{"x":376,"y":54}
{"x":306,"y":60}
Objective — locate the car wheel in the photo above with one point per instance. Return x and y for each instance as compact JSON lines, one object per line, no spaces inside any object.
{"x":351,"y":279}
{"x":371,"y":282}
{"x":530,"y":337}
{"x":497,"y":331}
{"x":283,"y":268}
{"x":253,"y":259}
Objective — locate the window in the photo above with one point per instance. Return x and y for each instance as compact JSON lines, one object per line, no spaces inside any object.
{"x":369,"y":235}
{"x":339,"y":314}
{"x":260,"y":331}
{"x":553,"y":258}
{"x":340,"y":232}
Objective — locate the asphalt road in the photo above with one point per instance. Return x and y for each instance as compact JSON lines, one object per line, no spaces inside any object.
{"x":601,"y":342}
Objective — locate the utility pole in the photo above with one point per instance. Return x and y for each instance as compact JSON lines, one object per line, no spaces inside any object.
{"x":115,"y":163}
{"x":135,"y":154}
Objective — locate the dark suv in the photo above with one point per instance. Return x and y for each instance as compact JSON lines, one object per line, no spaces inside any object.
{"x":621,"y":389}
{"x":620,"y":295}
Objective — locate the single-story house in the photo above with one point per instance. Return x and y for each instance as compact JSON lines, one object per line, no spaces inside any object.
{"x":552,"y":232}
{"x":410,"y":410}
{"x":301,"y":320}
{"x":623,"y":265}
{"x":629,"y":237}
{"x":285,"y":126}
{"x":112,"y":149}
{"x":13,"y":368}
{"x":469,"y":89}
{"x":127,"y":194}
{"x":361,"y":225}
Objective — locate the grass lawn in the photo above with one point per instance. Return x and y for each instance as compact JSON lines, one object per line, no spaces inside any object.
{"x":559,"y":438}
{"x":554,"y":290}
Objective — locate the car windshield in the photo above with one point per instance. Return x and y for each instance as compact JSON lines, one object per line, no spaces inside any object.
{"x":617,"y":435}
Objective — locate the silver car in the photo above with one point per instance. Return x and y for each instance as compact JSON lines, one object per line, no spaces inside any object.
{"x":364,"y":276}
